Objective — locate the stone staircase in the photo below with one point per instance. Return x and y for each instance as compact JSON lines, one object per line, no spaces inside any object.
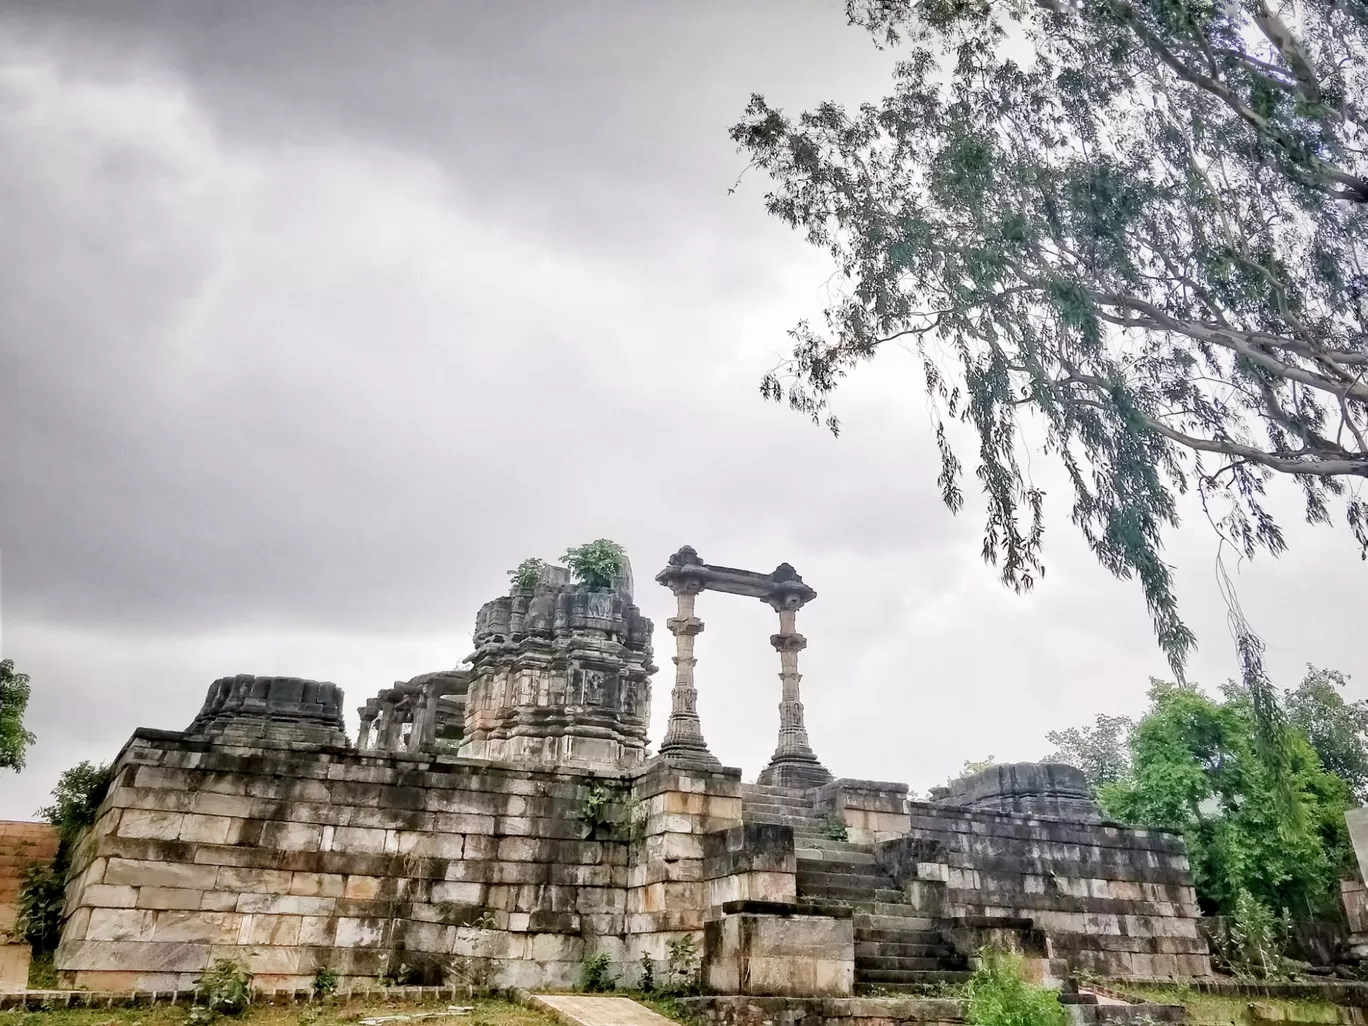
{"x":896,"y":948}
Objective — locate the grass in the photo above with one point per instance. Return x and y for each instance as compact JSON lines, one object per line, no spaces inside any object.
{"x":1219,"y":1009}
{"x":486,"y":1013}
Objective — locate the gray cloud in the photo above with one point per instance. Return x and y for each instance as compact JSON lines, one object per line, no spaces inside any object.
{"x":316,"y":317}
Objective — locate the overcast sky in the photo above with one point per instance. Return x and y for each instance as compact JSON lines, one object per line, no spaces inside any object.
{"x":316,"y":317}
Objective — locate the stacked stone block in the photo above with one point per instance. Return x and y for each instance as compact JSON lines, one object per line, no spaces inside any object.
{"x":289,"y":859}
{"x":1112,"y":899}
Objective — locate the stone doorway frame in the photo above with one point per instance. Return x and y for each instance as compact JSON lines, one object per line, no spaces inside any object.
{"x":793,"y":764}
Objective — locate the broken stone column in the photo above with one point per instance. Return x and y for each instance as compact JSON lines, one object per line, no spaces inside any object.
{"x":561,"y":675}
{"x":247,"y":709}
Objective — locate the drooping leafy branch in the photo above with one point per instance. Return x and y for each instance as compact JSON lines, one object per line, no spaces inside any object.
{"x":1136,"y":227}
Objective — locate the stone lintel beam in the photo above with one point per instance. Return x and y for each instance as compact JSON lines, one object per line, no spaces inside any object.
{"x":782,"y":588}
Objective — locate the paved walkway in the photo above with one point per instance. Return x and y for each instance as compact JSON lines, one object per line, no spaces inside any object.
{"x":577,"y":1010}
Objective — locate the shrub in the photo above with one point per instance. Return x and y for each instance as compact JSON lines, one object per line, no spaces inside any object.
{"x":594,"y":976}
{"x":77,"y":798}
{"x":646,"y":983}
{"x":528,"y":573}
{"x":38,"y":919}
{"x":998,"y":995}
{"x":685,"y":963}
{"x":833,"y":829}
{"x":1256,"y":938}
{"x":596,"y":563}
{"x":224,"y":988}
{"x":324,"y":982}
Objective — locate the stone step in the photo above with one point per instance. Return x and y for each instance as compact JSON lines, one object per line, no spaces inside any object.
{"x":855,"y":896}
{"x":901,"y":949}
{"x":770,"y":789}
{"x":910,"y":977}
{"x":779,"y":801}
{"x":749,"y":809}
{"x":826,"y":844}
{"x":907,"y":920}
{"x":922,"y":938}
{"x":886,"y":963}
{"x":931,"y":988}
{"x":834,"y":860}
{"x":819,"y":872}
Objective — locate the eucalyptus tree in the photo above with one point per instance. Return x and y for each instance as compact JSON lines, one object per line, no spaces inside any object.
{"x":1133,"y":231}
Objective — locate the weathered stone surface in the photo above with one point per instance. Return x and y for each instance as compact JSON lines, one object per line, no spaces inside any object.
{"x":799,"y":955}
{"x":246,"y":708}
{"x":1037,"y":789}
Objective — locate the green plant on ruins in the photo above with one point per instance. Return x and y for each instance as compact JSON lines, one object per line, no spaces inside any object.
{"x":38,"y":919}
{"x":528,"y":573}
{"x":832,"y":828}
{"x":594,"y":974}
{"x":685,"y":964}
{"x":997,"y":994}
{"x":324,"y":982}
{"x":77,"y":798}
{"x":1255,"y":939}
{"x":1197,"y":767}
{"x":224,"y":988}
{"x":646,"y":981}
{"x":596,"y":563}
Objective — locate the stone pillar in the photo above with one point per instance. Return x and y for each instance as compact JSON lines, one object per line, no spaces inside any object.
{"x":793,"y":763}
{"x":684,"y":734}
{"x":367,"y":714}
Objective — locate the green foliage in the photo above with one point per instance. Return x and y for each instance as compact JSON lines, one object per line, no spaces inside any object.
{"x":646,"y":981}
{"x":1135,"y":228}
{"x":594,"y":806}
{"x":224,"y":988}
{"x":972,"y":766}
{"x":77,"y":798}
{"x":596,"y":563}
{"x":594,"y":974}
{"x":1100,"y":751}
{"x":527,"y":573}
{"x":38,"y":908}
{"x":685,"y":964}
{"x":1336,"y":729}
{"x":42,"y":974}
{"x":1196,"y":767}
{"x":998,"y":995}
{"x":324,"y":982}
{"x":1253,"y":938}
{"x":14,"y":699}
{"x":832,"y":828}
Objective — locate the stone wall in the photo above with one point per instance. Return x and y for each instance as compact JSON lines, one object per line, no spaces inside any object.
{"x":1113,"y":899}
{"x":21,"y":845}
{"x":294,"y":857}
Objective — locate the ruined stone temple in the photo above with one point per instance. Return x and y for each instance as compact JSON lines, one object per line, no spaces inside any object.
{"x":505,"y":819}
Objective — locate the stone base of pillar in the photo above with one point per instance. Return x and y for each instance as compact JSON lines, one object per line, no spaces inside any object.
{"x":688,"y":755}
{"x":798,"y":771}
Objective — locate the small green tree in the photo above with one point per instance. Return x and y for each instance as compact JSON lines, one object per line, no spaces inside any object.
{"x":1099,"y":750}
{"x":38,"y":919}
{"x":528,"y":573}
{"x":596,"y":563}
{"x":77,"y":798}
{"x":1196,"y":767}
{"x":15,"y":740}
{"x":1336,"y":729}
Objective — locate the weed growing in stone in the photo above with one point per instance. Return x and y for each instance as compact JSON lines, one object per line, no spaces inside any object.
{"x":224,"y":988}
{"x":646,"y":982}
{"x":998,"y":995}
{"x":833,"y":829}
{"x":324,"y":982}
{"x":594,"y":975}
{"x":685,"y":963}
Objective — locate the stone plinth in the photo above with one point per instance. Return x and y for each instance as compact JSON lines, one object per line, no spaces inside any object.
{"x":754,"y":862}
{"x":779,"y":955}
{"x":560,"y":675}
{"x":871,"y":810}
{"x":246,"y":709}
{"x":1048,"y":789}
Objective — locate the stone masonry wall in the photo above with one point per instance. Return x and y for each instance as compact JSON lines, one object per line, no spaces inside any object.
{"x":292,"y":858}
{"x":21,"y":845}
{"x":1114,"y":899}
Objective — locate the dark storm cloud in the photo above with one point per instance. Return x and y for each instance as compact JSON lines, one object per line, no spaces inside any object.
{"x":317,"y":316}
